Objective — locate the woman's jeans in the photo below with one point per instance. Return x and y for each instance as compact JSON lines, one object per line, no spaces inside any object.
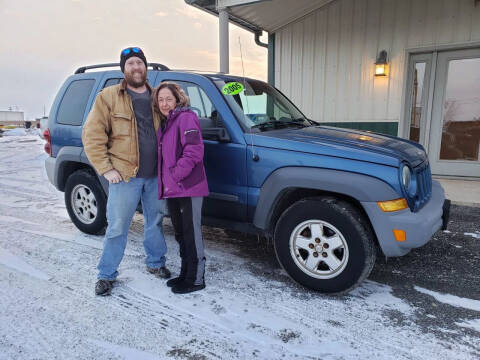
{"x":122,"y":202}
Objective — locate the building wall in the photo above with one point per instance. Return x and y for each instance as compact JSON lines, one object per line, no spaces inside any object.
{"x":11,"y":116}
{"x":325,"y":61}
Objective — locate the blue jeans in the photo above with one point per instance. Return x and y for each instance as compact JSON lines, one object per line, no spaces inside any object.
{"x":122,"y":202}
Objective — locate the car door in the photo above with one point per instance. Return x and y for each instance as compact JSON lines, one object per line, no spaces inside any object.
{"x":225,"y":160}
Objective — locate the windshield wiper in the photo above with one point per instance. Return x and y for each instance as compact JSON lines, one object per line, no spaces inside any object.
{"x":302,"y":120}
{"x":268,"y":124}
{"x":276,"y":124}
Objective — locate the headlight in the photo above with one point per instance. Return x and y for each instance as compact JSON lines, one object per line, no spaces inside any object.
{"x":406,"y":177}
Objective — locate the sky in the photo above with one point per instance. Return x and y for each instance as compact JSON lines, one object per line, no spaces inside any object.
{"x":43,"y":42}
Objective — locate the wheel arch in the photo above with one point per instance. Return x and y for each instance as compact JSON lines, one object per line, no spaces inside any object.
{"x":67,"y":168}
{"x":288,"y":185}
{"x":69,"y":160}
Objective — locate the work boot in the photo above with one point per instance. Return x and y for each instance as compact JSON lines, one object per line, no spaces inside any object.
{"x":161,"y":272}
{"x":186,"y":287}
{"x":103,"y":287}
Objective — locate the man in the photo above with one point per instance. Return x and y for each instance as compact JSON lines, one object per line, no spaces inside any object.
{"x":120,"y":140}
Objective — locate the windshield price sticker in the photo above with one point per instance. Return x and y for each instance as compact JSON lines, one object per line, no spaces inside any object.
{"x":232,"y":88}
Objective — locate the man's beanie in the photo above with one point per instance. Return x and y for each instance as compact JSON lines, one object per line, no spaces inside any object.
{"x":130,"y":52}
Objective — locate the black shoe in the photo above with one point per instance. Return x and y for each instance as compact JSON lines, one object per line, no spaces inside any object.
{"x":161,"y":272}
{"x":175,"y":281}
{"x":180,"y":277}
{"x":186,"y":287}
{"x":103,"y":287}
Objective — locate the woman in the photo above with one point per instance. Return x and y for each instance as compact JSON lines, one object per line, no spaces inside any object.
{"x":182,"y":181}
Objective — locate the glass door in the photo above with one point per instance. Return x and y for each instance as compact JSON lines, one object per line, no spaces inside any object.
{"x":419,"y":68}
{"x":454,"y":143}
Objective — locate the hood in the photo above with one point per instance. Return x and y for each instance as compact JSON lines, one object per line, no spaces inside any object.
{"x":345,"y":143}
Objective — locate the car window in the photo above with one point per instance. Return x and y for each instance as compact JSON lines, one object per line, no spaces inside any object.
{"x":201,"y":104}
{"x":74,"y":102}
{"x":111,"y":82}
{"x":260,"y":107}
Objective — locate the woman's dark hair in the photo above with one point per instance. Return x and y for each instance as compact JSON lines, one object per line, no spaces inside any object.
{"x":180,"y":96}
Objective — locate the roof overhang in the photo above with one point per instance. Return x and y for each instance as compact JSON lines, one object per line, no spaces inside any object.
{"x":261,"y":15}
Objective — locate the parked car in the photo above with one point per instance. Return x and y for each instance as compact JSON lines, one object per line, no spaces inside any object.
{"x":329,"y":198}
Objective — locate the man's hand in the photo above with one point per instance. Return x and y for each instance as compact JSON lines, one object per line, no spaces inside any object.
{"x":113,"y":176}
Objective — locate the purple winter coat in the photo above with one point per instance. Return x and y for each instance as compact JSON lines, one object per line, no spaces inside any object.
{"x":180,"y":156}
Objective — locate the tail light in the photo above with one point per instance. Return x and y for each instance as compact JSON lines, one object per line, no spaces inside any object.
{"x":48,"y":144}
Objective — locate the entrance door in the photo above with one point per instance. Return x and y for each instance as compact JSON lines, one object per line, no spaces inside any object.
{"x":455,"y":130}
{"x":417,"y":101}
{"x":443,"y":109}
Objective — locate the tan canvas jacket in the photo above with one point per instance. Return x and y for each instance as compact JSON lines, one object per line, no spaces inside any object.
{"x":110,"y":136}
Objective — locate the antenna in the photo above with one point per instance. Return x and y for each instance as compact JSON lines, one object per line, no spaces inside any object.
{"x":255,"y":156}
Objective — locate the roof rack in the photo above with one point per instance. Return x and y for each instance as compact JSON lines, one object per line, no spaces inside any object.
{"x":154,"y":66}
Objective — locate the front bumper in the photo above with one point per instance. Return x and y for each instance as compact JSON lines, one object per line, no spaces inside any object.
{"x":419,"y":227}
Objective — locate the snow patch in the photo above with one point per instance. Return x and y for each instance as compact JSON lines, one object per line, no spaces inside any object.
{"x":79,"y":239}
{"x":16,"y":263}
{"x":266,"y":330}
{"x":471,"y":324}
{"x":124,"y":351}
{"x":15,"y":132}
{"x":451,"y":299}
{"x":378,"y":295}
{"x":13,"y":201}
{"x":11,"y":219}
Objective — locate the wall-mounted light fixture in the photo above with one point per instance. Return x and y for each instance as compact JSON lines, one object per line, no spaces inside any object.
{"x":381,"y":65}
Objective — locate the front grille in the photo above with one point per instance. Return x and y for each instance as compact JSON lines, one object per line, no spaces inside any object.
{"x":424,"y":185}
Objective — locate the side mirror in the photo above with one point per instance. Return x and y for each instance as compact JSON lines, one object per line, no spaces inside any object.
{"x":218,"y":134}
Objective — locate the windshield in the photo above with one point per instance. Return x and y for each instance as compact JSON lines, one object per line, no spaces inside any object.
{"x":259,"y":106}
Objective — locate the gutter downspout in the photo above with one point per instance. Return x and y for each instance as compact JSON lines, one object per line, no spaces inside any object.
{"x":271,"y":59}
{"x":257,"y":39}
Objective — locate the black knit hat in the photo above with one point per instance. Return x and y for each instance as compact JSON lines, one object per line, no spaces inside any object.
{"x":130,"y":52}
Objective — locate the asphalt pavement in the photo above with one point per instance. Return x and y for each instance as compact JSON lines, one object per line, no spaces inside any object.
{"x":449,"y":264}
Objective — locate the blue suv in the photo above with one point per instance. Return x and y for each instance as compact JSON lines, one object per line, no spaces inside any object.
{"x":330,"y":198}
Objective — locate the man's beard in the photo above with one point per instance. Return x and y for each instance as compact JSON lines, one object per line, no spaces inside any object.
{"x":129,"y":78}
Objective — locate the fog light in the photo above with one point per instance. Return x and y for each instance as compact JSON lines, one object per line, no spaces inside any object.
{"x":393,"y":205}
{"x":400,"y":235}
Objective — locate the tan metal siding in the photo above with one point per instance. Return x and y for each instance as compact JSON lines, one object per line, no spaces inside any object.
{"x":475,"y":34}
{"x":325,"y":61}
{"x":306,"y":72}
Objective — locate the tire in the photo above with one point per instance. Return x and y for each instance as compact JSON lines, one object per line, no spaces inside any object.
{"x":86,"y":202}
{"x":325,"y":244}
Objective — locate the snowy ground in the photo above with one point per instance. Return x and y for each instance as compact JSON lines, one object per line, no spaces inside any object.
{"x":422,"y":306}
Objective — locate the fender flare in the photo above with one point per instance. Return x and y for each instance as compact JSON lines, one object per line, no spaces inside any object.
{"x":363,"y":188}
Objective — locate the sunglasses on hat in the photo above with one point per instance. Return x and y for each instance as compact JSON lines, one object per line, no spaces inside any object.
{"x":127,"y":51}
